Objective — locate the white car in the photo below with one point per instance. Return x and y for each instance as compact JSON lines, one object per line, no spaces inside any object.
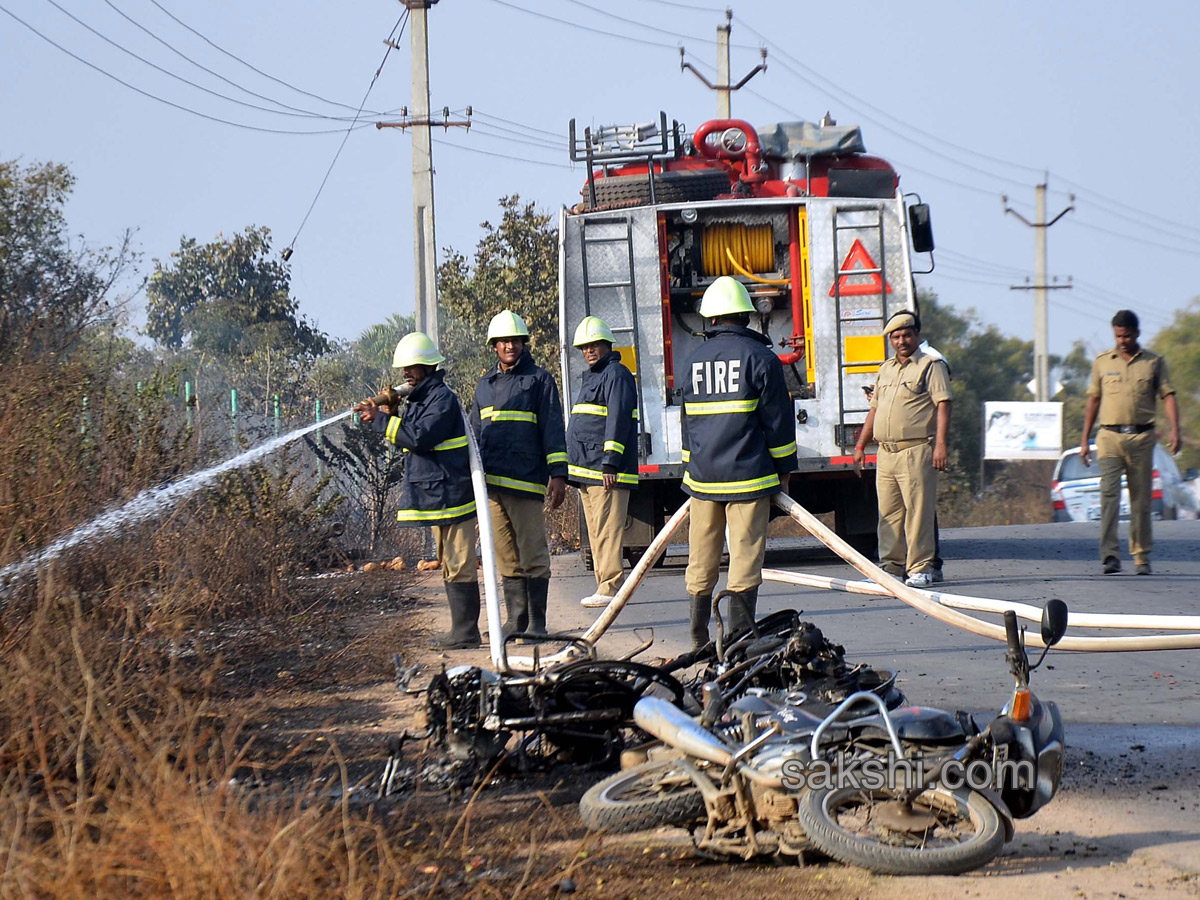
{"x":1075,"y":491}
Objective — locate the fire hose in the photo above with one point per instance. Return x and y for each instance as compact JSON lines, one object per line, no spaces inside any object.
{"x":924,"y":602}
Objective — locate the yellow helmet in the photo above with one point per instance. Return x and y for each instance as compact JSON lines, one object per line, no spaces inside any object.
{"x":724,"y":297}
{"x":506,"y":324}
{"x":416,"y":349}
{"x":593,"y":329}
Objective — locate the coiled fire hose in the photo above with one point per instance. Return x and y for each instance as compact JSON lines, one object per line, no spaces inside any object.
{"x":726,"y":248}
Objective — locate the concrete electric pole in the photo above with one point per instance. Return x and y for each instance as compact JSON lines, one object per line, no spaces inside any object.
{"x":424,"y":242}
{"x":723,"y":88}
{"x":1041,"y":325}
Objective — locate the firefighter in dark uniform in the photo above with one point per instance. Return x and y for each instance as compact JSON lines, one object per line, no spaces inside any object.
{"x":739,"y":447}
{"x":518,"y":416}
{"x":437,"y":477}
{"x":1123,"y":394}
{"x":602,"y":451}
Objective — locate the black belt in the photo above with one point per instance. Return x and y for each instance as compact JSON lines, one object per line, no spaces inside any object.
{"x":1128,"y":429}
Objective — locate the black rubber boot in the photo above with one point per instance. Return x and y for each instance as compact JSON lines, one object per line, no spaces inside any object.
{"x":539,"y":592}
{"x":700,"y":611}
{"x":463,"y":598}
{"x":516,"y":602}
{"x":743,"y":607}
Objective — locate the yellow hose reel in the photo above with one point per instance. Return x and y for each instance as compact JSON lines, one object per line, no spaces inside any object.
{"x":734,"y":248}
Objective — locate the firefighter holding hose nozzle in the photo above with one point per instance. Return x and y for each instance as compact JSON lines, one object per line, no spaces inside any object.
{"x":437,"y":475}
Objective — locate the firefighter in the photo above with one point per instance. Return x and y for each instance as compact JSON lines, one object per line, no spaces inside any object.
{"x":602,"y":446}
{"x":518,"y":417}
{"x":739,"y":447}
{"x":437,"y":477}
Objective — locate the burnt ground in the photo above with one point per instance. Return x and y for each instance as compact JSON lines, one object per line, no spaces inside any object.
{"x":318,"y":686}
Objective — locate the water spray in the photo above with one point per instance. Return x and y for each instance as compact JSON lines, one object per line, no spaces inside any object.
{"x":147,"y":504}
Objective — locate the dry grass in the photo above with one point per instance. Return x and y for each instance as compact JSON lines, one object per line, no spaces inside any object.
{"x":127,"y":769}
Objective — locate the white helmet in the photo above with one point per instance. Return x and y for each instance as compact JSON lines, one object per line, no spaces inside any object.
{"x":416,"y":349}
{"x":593,"y":329}
{"x":506,"y":324}
{"x":725,"y":297}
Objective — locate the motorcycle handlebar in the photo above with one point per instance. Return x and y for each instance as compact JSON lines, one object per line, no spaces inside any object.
{"x":1011,"y":631}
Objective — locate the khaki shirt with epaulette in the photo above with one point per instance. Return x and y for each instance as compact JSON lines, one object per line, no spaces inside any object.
{"x":906,"y":397}
{"x":1129,"y":389}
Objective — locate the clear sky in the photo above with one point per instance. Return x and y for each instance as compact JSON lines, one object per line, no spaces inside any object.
{"x":969,"y":100}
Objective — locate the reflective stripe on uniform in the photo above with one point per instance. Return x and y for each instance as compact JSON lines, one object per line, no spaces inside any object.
{"x":515,"y":484}
{"x":589,"y":409}
{"x":552,"y":458}
{"x":687,"y":455}
{"x":731,"y":487}
{"x":581,"y":472}
{"x":428,"y":515}
{"x":781,"y":452}
{"x":614,"y":445}
{"x":393,"y":427}
{"x":635,"y":413}
{"x":508,"y":415}
{"x":719,"y":407}
{"x":452,"y":443}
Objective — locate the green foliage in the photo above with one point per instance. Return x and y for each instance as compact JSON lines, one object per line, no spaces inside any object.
{"x":1179,"y":343}
{"x":515,"y":267}
{"x":359,"y":369}
{"x":229,"y":304}
{"x":51,"y":293}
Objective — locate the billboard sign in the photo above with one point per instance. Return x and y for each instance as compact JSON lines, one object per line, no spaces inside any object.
{"x":1013,"y":430}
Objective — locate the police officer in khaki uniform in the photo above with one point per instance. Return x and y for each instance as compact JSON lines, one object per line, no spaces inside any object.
{"x":1126,"y":384}
{"x":910,"y":420}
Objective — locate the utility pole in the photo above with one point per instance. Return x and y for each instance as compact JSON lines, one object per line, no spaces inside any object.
{"x":1041,"y":325}
{"x":723,"y":88}
{"x":424,"y":242}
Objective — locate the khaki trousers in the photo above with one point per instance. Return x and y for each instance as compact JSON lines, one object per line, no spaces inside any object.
{"x":605,"y":513}
{"x":519,"y":531}
{"x":456,"y":551}
{"x":907,"y":486}
{"x":1132,"y":455}
{"x":747,"y":524}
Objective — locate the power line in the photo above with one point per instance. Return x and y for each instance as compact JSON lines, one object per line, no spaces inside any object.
{"x":524,"y":159}
{"x":669,"y":32}
{"x":531,"y":128}
{"x":171,"y":74}
{"x":392,"y":38}
{"x":216,"y":74}
{"x":250,"y":66}
{"x":569,"y":23}
{"x":483,"y":130}
{"x":155,"y":97}
{"x":688,"y":6}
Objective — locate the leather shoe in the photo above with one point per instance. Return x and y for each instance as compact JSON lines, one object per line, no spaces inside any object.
{"x":1112,"y":566}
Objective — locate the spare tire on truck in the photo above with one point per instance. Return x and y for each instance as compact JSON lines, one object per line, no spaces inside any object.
{"x":615,"y":191}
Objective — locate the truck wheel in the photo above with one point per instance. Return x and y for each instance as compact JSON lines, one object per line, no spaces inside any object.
{"x":669,"y":187}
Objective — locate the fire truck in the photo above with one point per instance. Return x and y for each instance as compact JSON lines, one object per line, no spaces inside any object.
{"x":818,"y":231}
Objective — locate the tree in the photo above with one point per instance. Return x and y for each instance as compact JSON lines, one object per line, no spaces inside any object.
{"x":51,"y":293}
{"x":359,"y":369}
{"x":1179,"y":343}
{"x":229,"y":302}
{"x":515,"y":267}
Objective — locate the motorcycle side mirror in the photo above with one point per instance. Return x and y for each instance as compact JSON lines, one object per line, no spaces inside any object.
{"x":1054,"y":622}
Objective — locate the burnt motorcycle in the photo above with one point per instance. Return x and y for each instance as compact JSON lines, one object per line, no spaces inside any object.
{"x":913,"y":791}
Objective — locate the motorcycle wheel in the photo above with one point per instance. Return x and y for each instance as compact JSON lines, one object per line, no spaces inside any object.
{"x":647,"y":796}
{"x":954,"y":833}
